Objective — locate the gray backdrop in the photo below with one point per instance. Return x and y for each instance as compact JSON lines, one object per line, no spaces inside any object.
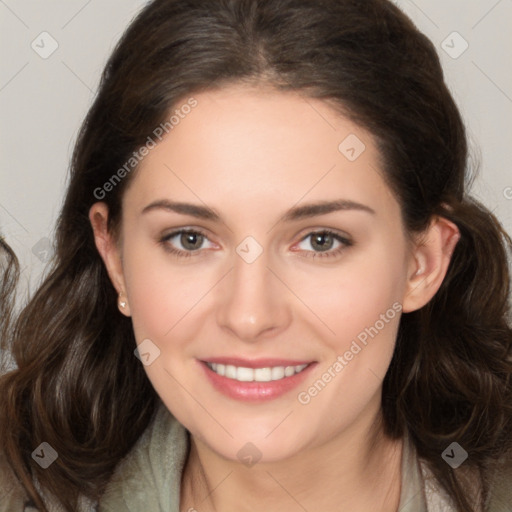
{"x":53,"y":52}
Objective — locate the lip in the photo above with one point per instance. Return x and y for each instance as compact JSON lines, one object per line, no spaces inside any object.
{"x":255,"y":391}
{"x":256,"y":363}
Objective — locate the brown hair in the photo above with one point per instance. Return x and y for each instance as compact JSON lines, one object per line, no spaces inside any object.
{"x":78,"y":381}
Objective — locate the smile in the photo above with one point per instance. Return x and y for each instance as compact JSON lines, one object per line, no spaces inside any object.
{"x":270,"y":380}
{"x":243,"y":374}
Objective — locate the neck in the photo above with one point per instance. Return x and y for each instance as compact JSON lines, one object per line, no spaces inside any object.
{"x":358,"y":470}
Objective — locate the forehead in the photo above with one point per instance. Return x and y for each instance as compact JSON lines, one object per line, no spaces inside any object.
{"x":261,"y":147}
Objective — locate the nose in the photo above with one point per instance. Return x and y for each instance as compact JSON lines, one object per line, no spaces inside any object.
{"x":254,"y":301}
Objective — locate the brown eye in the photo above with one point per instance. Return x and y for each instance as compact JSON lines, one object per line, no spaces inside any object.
{"x":184,"y":242}
{"x":322,"y":241}
{"x":191,"y":240}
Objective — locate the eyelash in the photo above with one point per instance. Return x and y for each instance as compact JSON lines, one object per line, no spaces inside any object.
{"x":345,"y":243}
{"x":311,"y":254}
{"x":178,"y":252}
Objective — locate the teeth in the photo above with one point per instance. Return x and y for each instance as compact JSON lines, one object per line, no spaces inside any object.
{"x":277,"y":373}
{"x":289,"y":371}
{"x":263,"y":374}
{"x":244,"y":374}
{"x":255,"y":375}
{"x":230,"y":371}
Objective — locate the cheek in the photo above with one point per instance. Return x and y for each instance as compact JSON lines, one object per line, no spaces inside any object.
{"x":353,"y":296}
{"x":160,"y":292}
{"x":364,"y":312}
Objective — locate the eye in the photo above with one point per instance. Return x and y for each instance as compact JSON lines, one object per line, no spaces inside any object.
{"x":184,"y":242}
{"x":322,"y":242}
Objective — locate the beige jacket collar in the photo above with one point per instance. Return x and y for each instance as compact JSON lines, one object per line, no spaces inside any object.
{"x":140,"y":483}
{"x":148,"y":479}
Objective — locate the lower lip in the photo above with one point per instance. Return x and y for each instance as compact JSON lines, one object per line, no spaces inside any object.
{"x":255,"y":391}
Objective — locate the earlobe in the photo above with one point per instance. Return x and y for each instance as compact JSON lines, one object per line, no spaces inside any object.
{"x":122,"y":303}
{"x":429,"y":263}
{"x":109,"y":252}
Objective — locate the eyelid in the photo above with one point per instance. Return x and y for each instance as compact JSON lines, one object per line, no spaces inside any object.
{"x":344,"y":240}
{"x":331,"y":231}
{"x":165,"y":241}
{"x":187,"y":229}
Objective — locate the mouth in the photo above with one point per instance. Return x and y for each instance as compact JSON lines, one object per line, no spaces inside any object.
{"x":265,"y":374}
{"x":255,"y":380}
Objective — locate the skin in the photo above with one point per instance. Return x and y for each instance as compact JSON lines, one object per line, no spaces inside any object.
{"x":250,"y":155}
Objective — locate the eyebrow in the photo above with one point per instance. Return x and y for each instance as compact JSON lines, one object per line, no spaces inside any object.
{"x":295,"y":213}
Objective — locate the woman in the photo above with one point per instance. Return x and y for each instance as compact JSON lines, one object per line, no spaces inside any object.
{"x":271,"y":288}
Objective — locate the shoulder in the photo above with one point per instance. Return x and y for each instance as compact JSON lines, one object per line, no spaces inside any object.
{"x":149,"y":477}
{"x":500,"y":496}
{"x":12,"y":497}
{"x":422,"y":492}
{"x":499,"y":484}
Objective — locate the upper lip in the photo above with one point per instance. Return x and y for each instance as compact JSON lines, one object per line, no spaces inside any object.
{"x":255,"y":363}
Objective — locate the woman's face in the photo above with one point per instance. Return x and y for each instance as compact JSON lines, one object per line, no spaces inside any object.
{"x":268,"y":277}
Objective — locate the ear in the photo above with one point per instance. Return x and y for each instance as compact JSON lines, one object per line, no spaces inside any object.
{"x":109,"y":251}
{"x":429,"y":262}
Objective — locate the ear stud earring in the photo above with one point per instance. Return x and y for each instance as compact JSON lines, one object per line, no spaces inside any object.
{"x":122,"y":303}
